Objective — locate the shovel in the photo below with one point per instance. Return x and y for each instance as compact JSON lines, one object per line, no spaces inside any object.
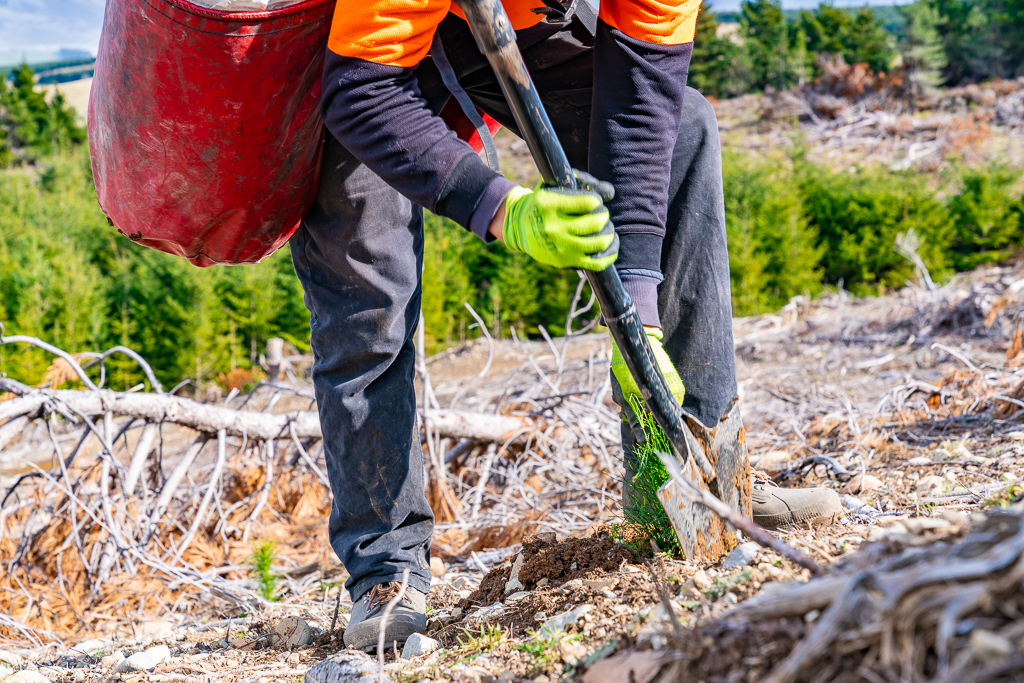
{"x":704,"y":499}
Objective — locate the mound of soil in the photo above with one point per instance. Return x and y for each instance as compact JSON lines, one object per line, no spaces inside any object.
{"x":556,"y":561}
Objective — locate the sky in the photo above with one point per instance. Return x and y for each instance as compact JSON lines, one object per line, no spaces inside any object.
{"x":30,"y":29}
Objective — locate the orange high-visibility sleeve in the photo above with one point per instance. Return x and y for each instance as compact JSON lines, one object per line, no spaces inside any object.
{"x":665,"y":22}
{"x":399,"y":32}
{"x":390,"y":32}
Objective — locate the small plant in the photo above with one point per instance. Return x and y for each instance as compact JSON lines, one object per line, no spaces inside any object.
{"x":488,"y":639}
{"x":544,"y":647}
{"x":645,"y":518}
{"x":262,"y":560}
{"x":1003,"y":499}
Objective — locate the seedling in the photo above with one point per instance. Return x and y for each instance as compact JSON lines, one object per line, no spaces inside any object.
{"x":262,"y":560}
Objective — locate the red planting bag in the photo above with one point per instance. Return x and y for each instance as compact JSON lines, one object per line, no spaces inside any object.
{"x":204,"y":126}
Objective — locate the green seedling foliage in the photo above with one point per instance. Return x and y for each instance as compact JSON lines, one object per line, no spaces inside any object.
{"x":263,"y":556}
{"x":645,"y":518}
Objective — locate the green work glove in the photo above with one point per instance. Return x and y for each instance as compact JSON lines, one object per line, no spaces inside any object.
{"x":626,"y":381}
{"x":562,"y":228}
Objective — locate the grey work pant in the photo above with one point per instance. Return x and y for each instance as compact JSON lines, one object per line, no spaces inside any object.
{"x":359,"y":255}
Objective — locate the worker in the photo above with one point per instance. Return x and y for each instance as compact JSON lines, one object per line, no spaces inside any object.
{"x":614,"y":89}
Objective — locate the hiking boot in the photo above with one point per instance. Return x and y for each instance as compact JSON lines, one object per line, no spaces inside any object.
{"x":776,"y":508}
{"x":409,"y":616}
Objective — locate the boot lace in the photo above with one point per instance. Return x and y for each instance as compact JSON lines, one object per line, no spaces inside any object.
{"x":383,"y":593}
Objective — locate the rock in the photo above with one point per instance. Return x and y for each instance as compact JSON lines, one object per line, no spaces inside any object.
{"x":773,"y":460}
{"x":920,"y":460}
{"x":741,"y":556}
{"x":570,"y":586}
{"x":546,"y":537}
{"x":348,"y":666}
{"x":437,"y":567}
{"x":987,"y":646}
{"x":290,"y":633}
{"x":53,"y":673}
{"x":245,"y":642}
{"x":473,"y":674}
{"x":418,"y":645}
{"x":294,"y":658}
{"x":486,"y":612}
{"x":143,"y":661}
{"x":154,"y":628}
{"x":516,"y":597}
{"x":12,"y":659}
{"x":730,"y":599}
{"x":560,"y":622}
{"x":112,"y":660}
{"x":463,"y":583}
{"x":78,"y":676}
{"x":701,"y":580}
{"x":954,"y":517}
{"x":506,"y":676}
{"x":639,"y":666}
{"x":25,"y":677}
{"x":864,"y":483}
{"x":456,"y":612}
{"x":928,"y":485}
{"x":514,"y":584}
{"x":600,"y":585}
{"x":920,"y":525}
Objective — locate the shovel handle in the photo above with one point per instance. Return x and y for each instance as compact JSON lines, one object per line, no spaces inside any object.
{"x":493,"y":33}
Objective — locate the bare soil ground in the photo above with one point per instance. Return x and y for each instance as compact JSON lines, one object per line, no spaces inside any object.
{"x":908,"y":404}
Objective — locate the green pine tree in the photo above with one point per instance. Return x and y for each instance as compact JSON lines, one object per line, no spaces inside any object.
{"x":923,"y":55}
{"x":714,"y":68}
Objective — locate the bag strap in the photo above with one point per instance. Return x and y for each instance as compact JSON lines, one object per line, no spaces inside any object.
{"x":468,"y":108}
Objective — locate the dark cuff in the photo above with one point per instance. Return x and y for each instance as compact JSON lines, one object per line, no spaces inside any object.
{"x":642,"y":287}
{"x":491,"y":200}
{"x":464,"y":190}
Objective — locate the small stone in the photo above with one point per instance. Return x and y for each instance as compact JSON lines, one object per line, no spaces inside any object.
{"x":730,"y":599}
{"x":955,"y":517}
{"x":987,"y":647}
{"x":78,"y":676}
{"x":812,"y":616}
{"x":53,"y":673}
{"x":456,"y":612}
{"x":920,"y":525}
{"x":12,"y":659}
{"x":463,"y":583}
{"x":154,"y":628}
{"x":294,"y":658}
{"x":514,"y":584}
{"x":570,"y":586}
{"x":772,"y":460}
{"x":112,"y":660}
{"x":561,"y":621}
{"x":546,"y":537}
{"x":741,"y":556}
{"x":701,"y":580}
{"x":920,"y":460}
{"x":863,"y":483}
{"x":437,"y":567}
{"x":418,"y":645}
{"x":506,"y":676}
{"x":600,"y":585}
{"x":292,"y":632}
{"x":928,"y":485}
{"x":542,"y":679}
{"x":543,"y":582}
{"x":516,"y":597}
{"x":144,"y":661}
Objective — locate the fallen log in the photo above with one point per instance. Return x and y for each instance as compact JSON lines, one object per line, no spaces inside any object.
{"x":203,"y":417}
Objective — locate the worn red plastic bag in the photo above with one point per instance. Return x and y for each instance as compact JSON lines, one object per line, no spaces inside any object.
{"x":204,"y":126}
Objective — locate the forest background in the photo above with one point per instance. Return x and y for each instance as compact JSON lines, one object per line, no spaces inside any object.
{"x":795,"y":227}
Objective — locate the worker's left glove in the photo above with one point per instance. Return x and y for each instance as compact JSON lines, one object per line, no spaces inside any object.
{"x":563,"y":228}
{"x":626,"y":382}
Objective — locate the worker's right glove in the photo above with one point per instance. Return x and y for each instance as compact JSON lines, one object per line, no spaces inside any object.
{"x":563,"y":228}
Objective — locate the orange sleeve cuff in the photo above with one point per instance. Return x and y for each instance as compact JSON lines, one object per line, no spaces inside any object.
{"x":663,"y":22}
